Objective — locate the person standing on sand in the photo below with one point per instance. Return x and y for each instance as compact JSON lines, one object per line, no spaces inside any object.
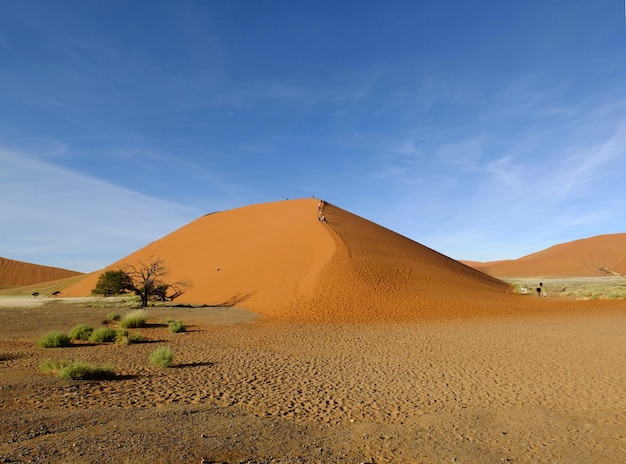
{"x":541,"y":289}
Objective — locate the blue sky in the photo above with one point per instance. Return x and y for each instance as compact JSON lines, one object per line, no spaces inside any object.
{"x":485,"y":130}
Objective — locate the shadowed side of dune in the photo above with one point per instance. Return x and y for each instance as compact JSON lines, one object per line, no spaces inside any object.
{"x":379,"y":275}
{"x":18,"y":273}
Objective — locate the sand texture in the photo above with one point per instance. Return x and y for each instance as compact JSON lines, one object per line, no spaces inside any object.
{"x":17,"y":273}
{"x":580,"y":258}
{"x":544,"y":387}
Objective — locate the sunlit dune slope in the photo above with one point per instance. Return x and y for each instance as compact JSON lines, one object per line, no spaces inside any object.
{"x":580,"y":258}
{"x":266,"y":254}
{"x":279,"y":260}
{"x":18,"y":273}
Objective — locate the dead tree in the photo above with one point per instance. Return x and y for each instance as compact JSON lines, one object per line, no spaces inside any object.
{"x":149,"y":281}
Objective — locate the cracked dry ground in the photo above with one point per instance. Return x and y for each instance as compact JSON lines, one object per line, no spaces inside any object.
{"x":542,"y":388}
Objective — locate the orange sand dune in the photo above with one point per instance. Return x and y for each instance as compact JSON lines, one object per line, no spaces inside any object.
{"x":580,"y":258}
{"x":17,"y":273}
{"x":279,"y":260}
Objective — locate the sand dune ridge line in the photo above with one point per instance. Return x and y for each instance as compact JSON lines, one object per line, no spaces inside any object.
{"x":280,"y":260}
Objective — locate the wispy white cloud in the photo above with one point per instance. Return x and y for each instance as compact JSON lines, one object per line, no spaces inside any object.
{"x":464,"y":155}
{"x":591,"y":163}
{"x":603,"y":219}
{"x":60,"y":218}
{"x":515,"y":188}
{"x":406,"y":146}
{"x":508,"y":174}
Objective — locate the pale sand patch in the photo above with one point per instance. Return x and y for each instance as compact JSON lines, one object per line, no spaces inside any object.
{"x":34,"y":302}
{"x":21,"y":302}
{"x":547,"y":387}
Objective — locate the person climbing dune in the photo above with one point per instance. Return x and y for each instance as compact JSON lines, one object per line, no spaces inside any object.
{"x":320,"y":211}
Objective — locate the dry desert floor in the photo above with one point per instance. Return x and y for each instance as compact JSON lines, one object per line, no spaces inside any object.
{"x":549,"y":386}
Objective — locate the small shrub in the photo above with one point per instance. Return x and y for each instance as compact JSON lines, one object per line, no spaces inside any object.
{"x":54,"y":339}
{"x":79,"y":370}
{"x":102,"y":335}
{"x":162,"y":357}
{"x":121,"y":337}
{"x":124,"y":337}
{"x":81,"y":332}
{"x":134,"y":320}
{"x":135,"y":337}
{"x":50,"y":366}
{"x":113,"y":317}
{"x":113,"y":282}
{"x":176,"y":326}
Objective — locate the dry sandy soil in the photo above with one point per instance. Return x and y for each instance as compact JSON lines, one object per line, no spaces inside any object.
{"x":368,"y":347}
{"x":549,"y":386}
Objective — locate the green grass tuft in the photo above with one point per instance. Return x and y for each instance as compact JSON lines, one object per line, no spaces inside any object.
{"x":111,"y":317}
{"x":102,"y":335}
{"x":135,"y":337}
{"x":79,"y":370}
{"x":124,"y":337}
{"x":50,"y":366}
{"x":162,"y":357}
{"x":134,"y":320}
{"x":54,"y":339}
{"x":81,"y":332}
{"x":121,"y":337}
{"x":176,"y":326}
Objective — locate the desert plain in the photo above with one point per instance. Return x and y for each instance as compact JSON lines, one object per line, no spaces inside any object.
{"x":347,"y":344}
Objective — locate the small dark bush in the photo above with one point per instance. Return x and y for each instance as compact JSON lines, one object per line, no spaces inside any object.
{"x":113,"y":282}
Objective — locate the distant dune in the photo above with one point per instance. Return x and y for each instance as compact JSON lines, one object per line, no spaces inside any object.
{"x":580,"y":258}
{"x":279,"y":260}
{"x":17,"y":273}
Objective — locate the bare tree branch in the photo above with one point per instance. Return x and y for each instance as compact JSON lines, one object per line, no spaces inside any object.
{"x":149,"y":281}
